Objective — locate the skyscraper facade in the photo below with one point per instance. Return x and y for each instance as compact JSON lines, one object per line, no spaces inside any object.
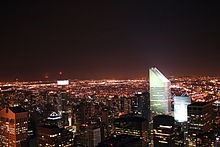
{"x":159,"y":93}
{"x":200,"y":122}
{"x":131,"y":125}
{"x":139,"y":105}
{"x":13,"y":127}
{"x":180,"y":108}
{"x":164,"y":132}
{"x":52,"y":135}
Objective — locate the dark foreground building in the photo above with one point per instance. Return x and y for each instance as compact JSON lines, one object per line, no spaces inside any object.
{"x":122,"y":141}
{"x":163,"y":131}
{"x":52,"y":135}
{"x":200,"y":122}
{"x":131,"y":125}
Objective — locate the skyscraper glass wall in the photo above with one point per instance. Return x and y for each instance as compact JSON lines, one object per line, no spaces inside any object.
{"x":159,"y":93}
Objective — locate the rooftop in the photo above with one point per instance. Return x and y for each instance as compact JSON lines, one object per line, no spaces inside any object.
{"x":199,"y":104}
{"x":159,"y":74}
{"x":50,"y":126}
{"x":131,"y":118}
{"x":17,"y":109}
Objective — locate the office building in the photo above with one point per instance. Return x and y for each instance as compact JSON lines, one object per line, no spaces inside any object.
{"x":163,"y":131}
{"x":54,"y":119}
{"x":52,"y":135}
{"x":216,"y":109}
{"x":94,"y":136}
{"x":180,"y":108}
{"x":200,"y":121}
{"x":131,"y":125}
{"x":13,"y":127}
{"x":89,"y":136}
{"x":106,"y":126}
{"x":160,"y":97}
{"x":122,"y":141}
{"x":217,"y":141}
{"x":140,"y":105}
{"x":62,"y":95}
{"x":124,"y":105}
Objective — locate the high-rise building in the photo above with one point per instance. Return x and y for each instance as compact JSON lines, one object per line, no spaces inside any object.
{"x":217,"y":141}
{"x":131,"y":125}
{"x":180,"y":108}
{"x":13,"y":127}
{"x":160,"y":96}
{"x":180,"y":114}
{"x":122,"y":141}
{"x":52,"y":135}
{"x":62,"y":95}
{"x":139,"y":105}
{"x":164,"y":131}
{"x":54,"y":119}
{"x":200,"y":121}
{"x":216,"y":109}
{"x":106,"y":123}
{"x":125,"y":105}
{"x":89,"y":136}
{"x":94,"y":136}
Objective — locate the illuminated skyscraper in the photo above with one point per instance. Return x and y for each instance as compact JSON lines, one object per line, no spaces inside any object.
{"x":54,"y":119}
{"x":13,"y":127}
{"x":159,"y":93}
{"x":180,"y":108}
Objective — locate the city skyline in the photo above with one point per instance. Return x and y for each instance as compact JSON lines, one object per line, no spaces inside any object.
{"x":54,"y":77}
{"x":108,"y":40}
{"x":180,"y":111}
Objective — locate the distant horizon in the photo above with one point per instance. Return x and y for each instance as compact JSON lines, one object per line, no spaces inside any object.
{"x":107,"y":78}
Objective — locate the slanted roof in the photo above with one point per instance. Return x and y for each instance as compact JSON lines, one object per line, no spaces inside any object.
{"x":159,"y":74}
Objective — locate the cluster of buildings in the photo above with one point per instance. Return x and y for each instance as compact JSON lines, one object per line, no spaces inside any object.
{"x":111,"y":113}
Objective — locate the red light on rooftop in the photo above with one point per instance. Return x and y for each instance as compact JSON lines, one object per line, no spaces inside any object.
{"x":60,"y":73}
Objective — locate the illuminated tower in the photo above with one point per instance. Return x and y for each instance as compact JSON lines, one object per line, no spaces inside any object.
{"x":180,"y":108}
{"x":159,"y":93}
{"x":61,"y":85}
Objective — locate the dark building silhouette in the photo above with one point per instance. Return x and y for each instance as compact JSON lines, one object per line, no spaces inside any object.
{"x":131,"y":125}
{"x":122,"y":141}
{"x":89,"y":136}
{"x":163,"y":131}
{"x":52,"y":135}
{"x":140,"y":105}
{"x":200,"y":122}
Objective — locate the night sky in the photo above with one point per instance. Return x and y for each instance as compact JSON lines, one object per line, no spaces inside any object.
{"x":108,"y":39}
